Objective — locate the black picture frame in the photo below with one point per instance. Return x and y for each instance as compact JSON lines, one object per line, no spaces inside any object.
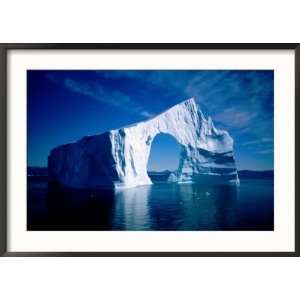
{"x":4,"y":48}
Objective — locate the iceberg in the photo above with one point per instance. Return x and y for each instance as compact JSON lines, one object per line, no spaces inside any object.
{"x":118,"y":158}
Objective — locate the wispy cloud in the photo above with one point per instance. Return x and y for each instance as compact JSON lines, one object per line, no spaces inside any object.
{"x":235,"y":117}
{"x":98,"y":92}
{"x":260,"y":141}
{"x":252,"y":142}
{"x":147,"y":114}
{"x":265,"y":151}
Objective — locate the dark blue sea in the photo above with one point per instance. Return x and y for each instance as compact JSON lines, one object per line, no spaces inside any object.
{"x":161,"y":206}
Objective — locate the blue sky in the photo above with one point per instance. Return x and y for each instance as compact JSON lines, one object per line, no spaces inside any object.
{"x":63,"y":106}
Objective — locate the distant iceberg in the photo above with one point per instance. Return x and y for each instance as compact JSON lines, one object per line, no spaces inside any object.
{"x":118,"y":158}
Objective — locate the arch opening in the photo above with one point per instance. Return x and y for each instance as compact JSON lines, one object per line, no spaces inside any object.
{"x":164,"y":157}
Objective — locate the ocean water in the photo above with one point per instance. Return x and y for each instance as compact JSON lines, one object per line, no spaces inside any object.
{"x":161,"y":206}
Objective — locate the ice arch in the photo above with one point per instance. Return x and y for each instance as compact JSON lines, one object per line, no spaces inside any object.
{"x":118,"y":158}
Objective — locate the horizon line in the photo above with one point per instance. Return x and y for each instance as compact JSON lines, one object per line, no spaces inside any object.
{"x":265,"y":170}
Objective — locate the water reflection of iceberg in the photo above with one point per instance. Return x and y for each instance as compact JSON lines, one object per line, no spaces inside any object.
{"x":132,"y":211}
{"x":176,"y":207}
{"x":166,"y":207}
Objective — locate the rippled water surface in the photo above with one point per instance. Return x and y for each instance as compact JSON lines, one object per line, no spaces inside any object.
{"x":160,"y":206}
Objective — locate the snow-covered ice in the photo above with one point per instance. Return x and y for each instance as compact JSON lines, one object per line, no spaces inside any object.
{"x":118,"y":158}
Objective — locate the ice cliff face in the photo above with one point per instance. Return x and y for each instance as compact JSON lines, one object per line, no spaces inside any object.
{"x":119,"y":158}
